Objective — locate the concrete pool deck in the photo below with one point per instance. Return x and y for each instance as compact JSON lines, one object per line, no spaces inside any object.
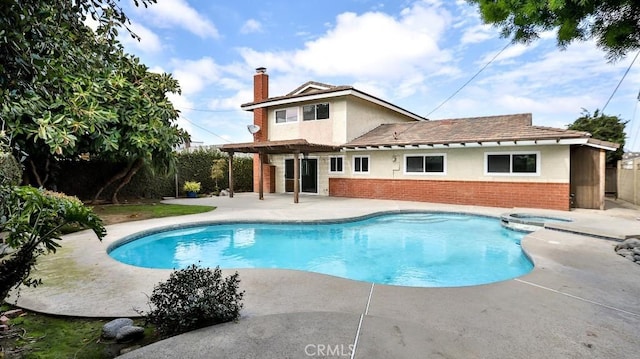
{"x":581,"y":299}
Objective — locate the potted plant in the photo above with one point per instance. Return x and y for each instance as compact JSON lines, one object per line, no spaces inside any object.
{"x":192,"y":188}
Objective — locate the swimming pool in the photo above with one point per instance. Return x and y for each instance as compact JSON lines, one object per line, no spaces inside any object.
{"x":409,"y":249}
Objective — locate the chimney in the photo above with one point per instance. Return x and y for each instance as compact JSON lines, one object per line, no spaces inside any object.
{"x":260,"y":85}
{"x":261,"y":93}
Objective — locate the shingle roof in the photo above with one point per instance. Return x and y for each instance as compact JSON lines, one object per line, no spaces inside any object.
{"x":293,"y":95}
{"x":464,"y":130}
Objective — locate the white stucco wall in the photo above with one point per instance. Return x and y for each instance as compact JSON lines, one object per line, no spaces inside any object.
{"x":328,"y":131}
{"x":364,"y":116}
{"x":349,"y":117}
{"x":465,"y":164}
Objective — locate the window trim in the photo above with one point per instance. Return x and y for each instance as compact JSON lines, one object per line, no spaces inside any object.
{"x":425,"y":173}
{"x":511,"y":173}
{"x":353,"y":164}
{"x":336,"y":172}
{"x":275,"y":115}
{"x":315,"y":111}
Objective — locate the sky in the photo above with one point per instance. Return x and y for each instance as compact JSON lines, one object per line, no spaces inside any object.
{"x":414,"y":54}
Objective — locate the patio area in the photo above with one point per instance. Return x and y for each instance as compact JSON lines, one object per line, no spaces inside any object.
{"x":581,"y":299}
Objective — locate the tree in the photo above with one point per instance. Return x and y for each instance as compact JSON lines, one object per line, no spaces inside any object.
{"x":68,"y":91}
{"x":219,"y":170}
{"x":614,"y":24}
{"x":603,"y":127}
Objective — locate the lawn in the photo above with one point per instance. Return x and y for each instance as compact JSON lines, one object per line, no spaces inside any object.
{"x":118,"y":213}
{"x":41,"y":336}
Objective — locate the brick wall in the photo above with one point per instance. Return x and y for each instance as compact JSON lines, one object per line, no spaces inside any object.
{"x":480,"y":193}
{"x":268,"y":173}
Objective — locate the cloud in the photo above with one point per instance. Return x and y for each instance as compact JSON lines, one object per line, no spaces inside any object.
{"x":149,"y":41}
{"x":478,"y":33}
{"x":195,"y":75}
{"x":379,"y":49}
{"x":168,"y":13}
{"x":251,"y":26}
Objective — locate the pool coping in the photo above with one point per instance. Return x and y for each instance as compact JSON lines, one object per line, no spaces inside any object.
{"x":578,"y":284}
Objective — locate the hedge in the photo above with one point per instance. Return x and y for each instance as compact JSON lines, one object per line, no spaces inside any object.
{"x":83,"y":178}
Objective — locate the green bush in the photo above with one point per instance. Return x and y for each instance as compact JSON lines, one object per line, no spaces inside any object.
{"x":193,"y":298}
{"x":10,"y":170}
{"x":33,"y":220}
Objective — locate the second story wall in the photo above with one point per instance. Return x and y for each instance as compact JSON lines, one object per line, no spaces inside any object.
{"x":363,"y":116}
{"x":328,"y":130}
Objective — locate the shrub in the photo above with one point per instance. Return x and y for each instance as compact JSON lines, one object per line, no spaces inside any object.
{"x":33,"y":220}
{"x":191,"y":186}
{"x":10,"y":169}
{"x":193,"y":298}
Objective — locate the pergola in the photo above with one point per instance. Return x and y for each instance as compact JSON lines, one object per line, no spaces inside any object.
{"x":295,"y":147}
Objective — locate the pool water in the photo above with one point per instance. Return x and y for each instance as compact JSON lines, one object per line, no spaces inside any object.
{"x":409,"y":249}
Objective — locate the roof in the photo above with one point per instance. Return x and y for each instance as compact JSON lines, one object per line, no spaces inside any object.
{"x":477,"y":131}
{"x":311,"y":91}
{"x":278,"y":147}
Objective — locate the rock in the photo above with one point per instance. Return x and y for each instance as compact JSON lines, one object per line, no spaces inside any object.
{"x":637,"y":257}
{"x":636,"y":250}
{"x":129,"y":349}
{"x":629,"y":243}
{"x":129,"y":333}
{"x":224,"y":192}
{"x":4,"y":328}
{"x":625,"y":252}
{"x":110,"y":330}
{"x":630,"y":257}
{"x":4,"y":320}
{"x":13,"y":313}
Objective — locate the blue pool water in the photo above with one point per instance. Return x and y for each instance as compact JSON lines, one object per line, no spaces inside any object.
{"x":410,"y":249}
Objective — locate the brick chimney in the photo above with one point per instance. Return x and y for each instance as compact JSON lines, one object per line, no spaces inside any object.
{"x":260,"y":93}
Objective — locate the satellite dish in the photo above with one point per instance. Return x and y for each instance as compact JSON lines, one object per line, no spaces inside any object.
{"x":253,"y":129}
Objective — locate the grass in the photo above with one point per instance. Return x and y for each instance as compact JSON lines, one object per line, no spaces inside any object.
{"x":41,"y":336}
{"x":117,"y":213}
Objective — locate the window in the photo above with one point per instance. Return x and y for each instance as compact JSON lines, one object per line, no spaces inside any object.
{"x":336,"y":164}
{"x":361,"y":164}
{"x":512,"y":163}
{"x":287,"y":115}
{"x":432,"y":164}
{"x":315,"y":112}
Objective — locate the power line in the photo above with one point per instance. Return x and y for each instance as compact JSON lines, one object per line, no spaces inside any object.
{"x":620,"y":82}
{"x":204,"y":129}
{"x":471,"y":79}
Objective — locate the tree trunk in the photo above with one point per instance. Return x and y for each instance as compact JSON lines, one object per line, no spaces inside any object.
{"x":15,"y":270}
{"x":113,"y":179}
{"x":132,"y":171}
{"x":34,"y":172}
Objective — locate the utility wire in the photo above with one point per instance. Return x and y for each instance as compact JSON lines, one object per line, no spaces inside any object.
{"x":620,"y":82}
{"x":204,"y":129}
{"x":471,"y":79}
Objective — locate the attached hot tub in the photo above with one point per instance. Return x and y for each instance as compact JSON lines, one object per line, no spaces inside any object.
{"x":528,"y":222}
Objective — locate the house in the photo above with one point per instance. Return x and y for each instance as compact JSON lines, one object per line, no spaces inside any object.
{"x":340,"y":141}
